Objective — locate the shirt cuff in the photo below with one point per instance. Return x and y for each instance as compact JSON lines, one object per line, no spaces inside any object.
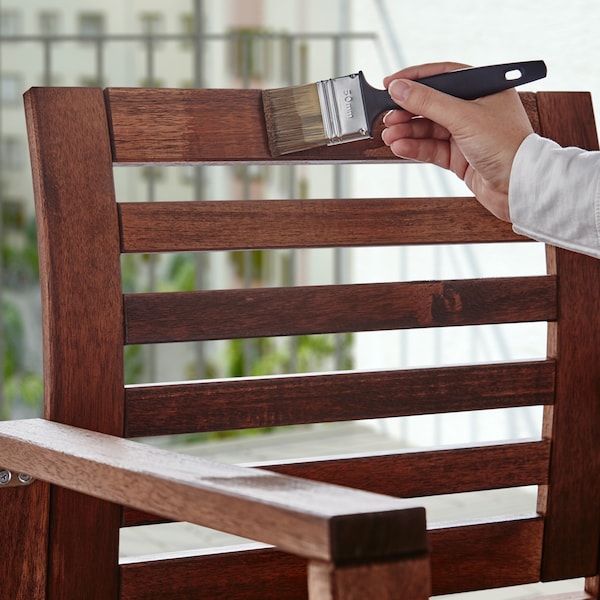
{"x":554,"y":195}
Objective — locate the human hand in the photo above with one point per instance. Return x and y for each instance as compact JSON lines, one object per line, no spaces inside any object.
{"x":476,"y":139}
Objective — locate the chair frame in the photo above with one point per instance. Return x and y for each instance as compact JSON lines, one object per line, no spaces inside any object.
{"x":62,"y":530}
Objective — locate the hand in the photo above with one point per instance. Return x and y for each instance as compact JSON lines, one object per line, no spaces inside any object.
{"x":476,"y":139}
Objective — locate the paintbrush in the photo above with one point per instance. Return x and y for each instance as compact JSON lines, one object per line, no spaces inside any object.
{"x":344,"y":109}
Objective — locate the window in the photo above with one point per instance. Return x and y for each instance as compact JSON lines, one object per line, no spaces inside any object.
{"x":152,"y":23}
{"x":11,"y":154}
{"x":10,"y":89}
{"x":90,"y":81}
{"x":187,"y":29}
{"x":91,"y":24}
{"x":49,"y":23}
{"x":10,"y":23}
{"x":250,"y":54}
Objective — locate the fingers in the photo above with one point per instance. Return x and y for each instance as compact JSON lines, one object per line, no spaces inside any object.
{"x":425,"y":70}
{"x":420,"y":99}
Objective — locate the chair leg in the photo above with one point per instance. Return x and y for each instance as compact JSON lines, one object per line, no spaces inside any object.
{"x":24,"y":541}
{"x":407,"y":579}
{"x":592,"y":586}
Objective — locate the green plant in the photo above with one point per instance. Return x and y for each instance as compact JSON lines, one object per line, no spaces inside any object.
{"x":20,"y":385}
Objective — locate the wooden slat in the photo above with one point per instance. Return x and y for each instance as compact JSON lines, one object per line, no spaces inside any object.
{"x":245,"y":403}
{"x":238,"y":225}
{"x":441,"y":471}
{"x":311,"y":519}
{"x":230,"y":314}
{"x":71,"y":159}
{"x":486,"y":556}
{"x":463,"y":558}
{"x":571,"y":503}
{"x":251,"y":572}
{"x":193,"y":125}
{"x":415,"y":474}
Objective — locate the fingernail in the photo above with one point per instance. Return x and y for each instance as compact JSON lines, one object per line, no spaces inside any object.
{"x":398,"y":90}
{"x":387,"y":114}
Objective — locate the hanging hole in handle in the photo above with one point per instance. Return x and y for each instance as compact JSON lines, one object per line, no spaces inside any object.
{"x":513,"y":75}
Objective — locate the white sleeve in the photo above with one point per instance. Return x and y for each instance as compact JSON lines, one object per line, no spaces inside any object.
{"x":554,"y":195}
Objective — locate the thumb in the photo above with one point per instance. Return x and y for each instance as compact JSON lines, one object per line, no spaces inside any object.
{"x":425,"y":101}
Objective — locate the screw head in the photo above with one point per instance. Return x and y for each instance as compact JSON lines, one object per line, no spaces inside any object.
{"x":5,"y":477}
{"x":24,"y":478}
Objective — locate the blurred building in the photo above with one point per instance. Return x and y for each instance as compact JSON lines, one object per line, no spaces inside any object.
{"x":234,"y":43}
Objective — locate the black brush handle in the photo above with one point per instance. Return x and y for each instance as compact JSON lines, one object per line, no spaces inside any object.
{"x":468,"y":84}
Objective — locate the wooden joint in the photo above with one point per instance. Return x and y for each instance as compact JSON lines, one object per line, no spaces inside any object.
{"x":400,"y":579}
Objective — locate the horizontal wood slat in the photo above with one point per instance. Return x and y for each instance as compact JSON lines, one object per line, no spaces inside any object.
{"x":245,"y":403}
{"x":253,"y":572}
{"x":441,"y":471}
{"x":311,"y":519}
{"x":485,"y":556}
{"x":237,"y":225}
{"x":464,"y":558}
{"x":231,"y":314}
{"x":416,"y":473}
{"x":179,"y":126}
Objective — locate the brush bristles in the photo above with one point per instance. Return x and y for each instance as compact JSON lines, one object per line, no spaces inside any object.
{"x":294,"y":119}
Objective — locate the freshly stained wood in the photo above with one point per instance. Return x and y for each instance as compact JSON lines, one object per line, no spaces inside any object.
{"x":571,"y":503}
{"x":408,"y":580}
{"x":247,"y":224}
{"x":249,"y":402}
{"x":231,"y":314}
{"x":198,"y":125}
{"x":497,"y":553}
{"x":191,"y":125}
{"x":433,"y":472}
{"x":71,"y":161}
{"x":414,"y":474}
{"x":61,"y":540}
{"x":318,"y":521}
{"x":249,"y":572}
{"x":24,"y":540}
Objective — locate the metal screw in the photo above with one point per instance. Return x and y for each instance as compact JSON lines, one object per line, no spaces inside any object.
{"x":5,"y":477}
{"x":24,"y":478}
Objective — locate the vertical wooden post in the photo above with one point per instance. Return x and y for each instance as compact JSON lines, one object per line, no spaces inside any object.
{"x":570,"y":503}
{"x":24,"y":541}
{"x":407,"y":579}
{"x":74,"y":197}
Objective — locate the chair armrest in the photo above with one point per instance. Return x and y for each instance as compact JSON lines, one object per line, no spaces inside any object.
{"x":315,"y":520}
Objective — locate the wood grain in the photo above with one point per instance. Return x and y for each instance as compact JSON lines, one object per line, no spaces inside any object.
{"x":79,"y":230}
{"x":570,"y":503}
{"x":253,"y":224}
{"x":466,"y":556}
{"x":401,"y":580}
{"x":71,"y":160}
{"x":24,"y":541}
{"x":251,"y":572}
{"x":438,"y":471}
{"x":249,"y":402}
{"x":414,"y":474}
{"x":310,"y":519}
{"x":265,"y":312}
{"x":177,"y":126}
{"x":486,"y":555}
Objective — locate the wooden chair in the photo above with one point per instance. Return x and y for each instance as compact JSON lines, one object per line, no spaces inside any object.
{"x":60,"y":534}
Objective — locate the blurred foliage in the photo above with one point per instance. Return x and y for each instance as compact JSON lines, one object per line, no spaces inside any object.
{"x":21,"y":386}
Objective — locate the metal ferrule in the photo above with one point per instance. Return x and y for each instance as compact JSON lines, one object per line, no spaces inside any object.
{"x":342,"y":109}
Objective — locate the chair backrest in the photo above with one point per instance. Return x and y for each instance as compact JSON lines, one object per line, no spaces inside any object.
{"x":76,"y":137}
